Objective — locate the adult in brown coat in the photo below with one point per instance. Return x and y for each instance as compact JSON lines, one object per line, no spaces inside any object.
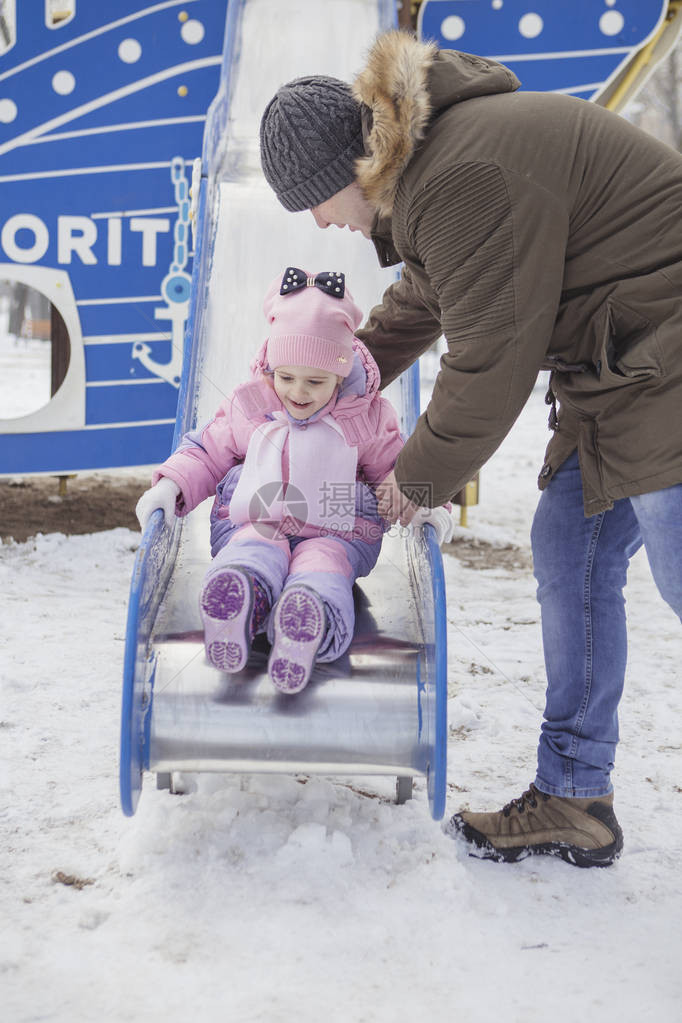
{"x":535,"y":231}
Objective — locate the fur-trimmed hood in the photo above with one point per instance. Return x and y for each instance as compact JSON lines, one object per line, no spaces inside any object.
{"x":403,"y":86}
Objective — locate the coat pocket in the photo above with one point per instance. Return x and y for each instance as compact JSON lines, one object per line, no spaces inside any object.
{"x":629,"y":349}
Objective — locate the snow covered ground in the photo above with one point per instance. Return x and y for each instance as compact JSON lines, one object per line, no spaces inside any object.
{"x":25,"y":366}
{"x":276,"y":899}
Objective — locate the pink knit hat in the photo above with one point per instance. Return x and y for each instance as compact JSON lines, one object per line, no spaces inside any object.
{"x":312,"y":321}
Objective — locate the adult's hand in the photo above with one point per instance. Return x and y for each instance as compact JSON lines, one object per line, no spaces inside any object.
{"x":393,"y":505}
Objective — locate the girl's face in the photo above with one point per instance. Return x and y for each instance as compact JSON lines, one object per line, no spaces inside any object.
{"x":304,"y":390}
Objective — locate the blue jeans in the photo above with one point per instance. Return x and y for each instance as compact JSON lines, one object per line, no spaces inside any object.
{"x":581,"y":568}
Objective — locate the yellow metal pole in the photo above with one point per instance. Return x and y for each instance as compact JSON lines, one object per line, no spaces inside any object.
{"x":643,"y":58}
{"x":467,"y":496}
{"x":63,"y":481}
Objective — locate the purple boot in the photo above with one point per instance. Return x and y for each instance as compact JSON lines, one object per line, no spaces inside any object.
{"x":299,"y":627}
{"x":233,"y":607}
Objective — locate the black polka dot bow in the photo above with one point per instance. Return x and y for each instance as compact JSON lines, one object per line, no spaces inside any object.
{"x":329,"y":280}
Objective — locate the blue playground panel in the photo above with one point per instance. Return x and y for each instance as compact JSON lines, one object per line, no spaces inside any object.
{"x":572,"y":47}
{"x":101,"y":118}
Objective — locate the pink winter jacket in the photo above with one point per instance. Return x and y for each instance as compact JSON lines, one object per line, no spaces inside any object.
{"x":367,"y":422}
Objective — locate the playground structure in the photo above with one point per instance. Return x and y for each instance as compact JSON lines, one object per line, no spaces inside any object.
{"x":598,"y":50}
{"x":95,"y":170}
{"x":146,"y":340}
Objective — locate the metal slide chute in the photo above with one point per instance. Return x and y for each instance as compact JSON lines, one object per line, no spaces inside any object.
{"x":379,"y":710}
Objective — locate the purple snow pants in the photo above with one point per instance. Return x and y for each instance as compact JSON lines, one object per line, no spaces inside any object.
{"x":328,"y":565}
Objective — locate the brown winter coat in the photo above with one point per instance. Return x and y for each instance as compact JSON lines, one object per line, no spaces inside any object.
{"x":536,"y":230}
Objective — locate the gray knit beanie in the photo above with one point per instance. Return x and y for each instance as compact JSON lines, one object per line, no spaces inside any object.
{"x":310,"y":138}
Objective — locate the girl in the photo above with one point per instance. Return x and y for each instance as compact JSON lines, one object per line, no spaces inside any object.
{"x":292,"y":456}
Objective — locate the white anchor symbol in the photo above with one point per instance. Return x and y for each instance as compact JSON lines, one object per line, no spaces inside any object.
{"x":175,"y":289}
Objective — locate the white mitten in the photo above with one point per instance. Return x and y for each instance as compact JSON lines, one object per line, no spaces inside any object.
{"x":440,"y":519}
{"x":162,"y":495}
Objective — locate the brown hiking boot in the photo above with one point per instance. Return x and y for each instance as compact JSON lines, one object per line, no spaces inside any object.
{"x":584,"y":832}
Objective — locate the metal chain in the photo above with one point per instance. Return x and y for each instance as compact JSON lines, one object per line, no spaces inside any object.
{"x":181,"y":230}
